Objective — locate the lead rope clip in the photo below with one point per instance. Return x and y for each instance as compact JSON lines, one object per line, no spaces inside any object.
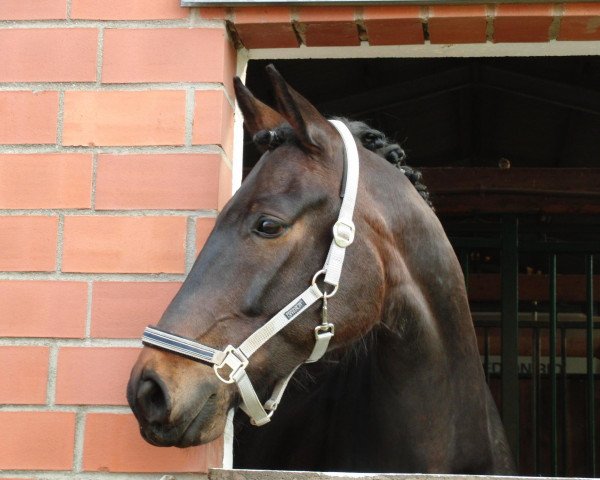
{"x":325,"y":326}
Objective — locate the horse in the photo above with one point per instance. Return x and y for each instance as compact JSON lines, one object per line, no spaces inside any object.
{"x":400,"y":385}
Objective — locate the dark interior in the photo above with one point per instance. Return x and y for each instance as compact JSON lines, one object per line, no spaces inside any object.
{"x":500,"y":142}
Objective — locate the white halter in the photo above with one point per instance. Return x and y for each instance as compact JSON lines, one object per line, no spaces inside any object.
{"x":237,"y":359}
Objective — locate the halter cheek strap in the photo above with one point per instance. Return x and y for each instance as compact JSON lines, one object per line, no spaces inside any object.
{"x":230,"y":364}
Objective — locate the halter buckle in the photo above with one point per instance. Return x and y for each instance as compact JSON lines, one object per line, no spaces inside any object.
{"x":324,"y":328}
{"x":235,"y":360}
{"x":343,"y":232}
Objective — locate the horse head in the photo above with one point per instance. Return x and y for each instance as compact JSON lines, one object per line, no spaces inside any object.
{"x":266,"y":247}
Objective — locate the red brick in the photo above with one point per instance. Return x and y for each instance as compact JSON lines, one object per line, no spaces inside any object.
{"x":522,"y":23}
{"x":213,"y":120}
{"x":38,"y":10}
{"x":124,"y":118}
{"x":124,"y":309}
{"x":157,"y":181}
{"x":225,"y":185}
{"x":328,"y":26}
{"x":127,"y":10}
{"x":580,"y":21}
{"x":92,"y":376}
{"x":457,"y":24}
{"x":46,"y":181}
{"x":37,"y":440}
{"x":28,"y":244}
{"x":24,"y":374}
{"x":113,"y":444}
{"x":264,"y":27}
{"x":164,"y":55}
{"x":28,"y":117}
{"x":48,"y":54}
{"x":203,"y":228}
{"x":124,"y":244}
{"x":393,"y":25}
{"x":43,"y":309}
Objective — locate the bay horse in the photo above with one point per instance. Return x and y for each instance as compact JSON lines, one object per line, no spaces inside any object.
{"x":400,"y":387}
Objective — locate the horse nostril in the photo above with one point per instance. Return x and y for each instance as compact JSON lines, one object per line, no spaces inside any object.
{"x":153,"y":401}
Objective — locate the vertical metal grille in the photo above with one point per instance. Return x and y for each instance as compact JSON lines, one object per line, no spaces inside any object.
{"x":538,"y":356}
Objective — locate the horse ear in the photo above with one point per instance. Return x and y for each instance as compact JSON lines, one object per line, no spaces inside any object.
{"x":257,"y":115}
{"x":304,"y":118}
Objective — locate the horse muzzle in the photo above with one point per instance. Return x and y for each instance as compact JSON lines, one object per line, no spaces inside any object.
{"x":174,"y":410}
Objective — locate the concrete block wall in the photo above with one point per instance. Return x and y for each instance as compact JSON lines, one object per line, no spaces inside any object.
{"x":116,"y":121}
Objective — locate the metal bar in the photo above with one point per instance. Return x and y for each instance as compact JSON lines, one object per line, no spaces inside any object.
{"x":249,"y":3}
{"x":535,"y":398}
{"x":591,"y":427}
{"x":552,"y":346}
{"x":486,"y":353}
{"x":560,"y":247}
{"x":510,"y":331}
{"x":563,"y":395}
{"x":571,"y":324}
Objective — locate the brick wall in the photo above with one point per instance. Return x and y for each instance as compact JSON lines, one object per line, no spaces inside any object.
{"x":268,"y":27}
{"x":115,"y":156}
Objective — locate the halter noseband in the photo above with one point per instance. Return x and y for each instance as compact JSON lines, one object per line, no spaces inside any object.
{"x":237,"y":359}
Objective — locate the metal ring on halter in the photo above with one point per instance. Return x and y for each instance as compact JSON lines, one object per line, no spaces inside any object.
{"x":323,"y":294}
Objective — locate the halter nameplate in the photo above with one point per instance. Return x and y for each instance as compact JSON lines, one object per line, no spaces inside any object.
{"x":237,"y":359}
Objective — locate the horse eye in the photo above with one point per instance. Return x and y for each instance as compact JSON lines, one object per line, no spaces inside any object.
{"x":269,"y":227}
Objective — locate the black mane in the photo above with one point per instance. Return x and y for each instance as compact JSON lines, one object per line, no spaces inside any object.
{"x":370,"y":138}
{"x":377,"y":142}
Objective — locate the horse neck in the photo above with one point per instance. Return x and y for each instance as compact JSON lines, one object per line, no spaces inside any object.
{"x":424,"y":291}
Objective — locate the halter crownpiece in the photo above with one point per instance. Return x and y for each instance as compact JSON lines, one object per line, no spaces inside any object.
{"x":237,"y":359}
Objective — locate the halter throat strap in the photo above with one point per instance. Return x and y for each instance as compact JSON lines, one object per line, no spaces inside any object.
{"x":230,"y":364}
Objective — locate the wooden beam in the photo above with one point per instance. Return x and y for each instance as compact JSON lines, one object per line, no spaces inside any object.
{"x":390,"y":96}
{"x":485,"y":287}
{"x":515,"y":190}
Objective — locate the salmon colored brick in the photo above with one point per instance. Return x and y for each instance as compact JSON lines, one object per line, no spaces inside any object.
{"x":225,"y":185}
{"x":580,"y":21}
{"x":33,"y":308}
{"x":28,"y":117}
{"x":48,"y":54}
{"x":46,"y":181}
{"x":37,"y":440}
{"x":124,"y":309}
{"x":127,"y":10}
{"x":393,"y":25}
{"x":522,"y":23}
{"x":91,"y":376}
{"x":28,"y":244}
{"x":38,"y":10}
{"x":328,"y":26}
{"x":213,"y":120}
{"x":124,"y":244}
{"x":113,"y":444}
{"x":265,"y":27}
{"x":24,"y":374}
{"x":124,"y":118}
{"x":164,"y":55}
{"x":457,"y":24}
{"x":204,"y":226}
{"x":157,"y":181}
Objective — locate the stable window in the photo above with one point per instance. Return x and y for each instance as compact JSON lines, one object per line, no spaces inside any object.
{"x":510,"y":151}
